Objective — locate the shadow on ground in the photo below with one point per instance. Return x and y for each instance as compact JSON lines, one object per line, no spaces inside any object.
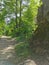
{"x":8,"y":57}
{"x":38,"y":55}
{"x":7,"y":53}
{"x":36,"y":59}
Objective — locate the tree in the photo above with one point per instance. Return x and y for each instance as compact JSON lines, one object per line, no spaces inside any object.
{"x":17,"y":11}
{"x":10,"y":11}
{"x":20,"y":11}
{"x":29,"y":18}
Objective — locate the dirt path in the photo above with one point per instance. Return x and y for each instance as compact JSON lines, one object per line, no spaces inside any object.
{"x":7,"y":54}
{"x":8,"y":57}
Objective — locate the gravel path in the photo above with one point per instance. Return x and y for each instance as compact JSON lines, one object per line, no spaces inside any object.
{"x":7,"y":54}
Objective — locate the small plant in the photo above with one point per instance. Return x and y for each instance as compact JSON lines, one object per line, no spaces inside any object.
{"x":22,"y":49}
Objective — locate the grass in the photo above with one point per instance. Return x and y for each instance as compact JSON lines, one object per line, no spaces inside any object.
{"x":22,"y":49}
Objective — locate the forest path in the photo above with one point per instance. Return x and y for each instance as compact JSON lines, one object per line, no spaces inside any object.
{"x":8,"y":57}
{"x":7,"y":53}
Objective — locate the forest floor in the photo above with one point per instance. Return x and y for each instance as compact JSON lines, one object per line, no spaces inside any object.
{"x":8,"y":56}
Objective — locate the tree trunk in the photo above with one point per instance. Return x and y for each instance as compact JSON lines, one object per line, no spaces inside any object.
{"x":20,"y":13}
{"x":16,"y":13}
{"x":40,"y":40}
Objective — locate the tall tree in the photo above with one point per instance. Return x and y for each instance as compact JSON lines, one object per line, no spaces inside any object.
{"x":20,"y":12}
{"x":16,"y":13}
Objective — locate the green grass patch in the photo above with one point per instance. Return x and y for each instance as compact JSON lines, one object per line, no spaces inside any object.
{"x":22,"y":49}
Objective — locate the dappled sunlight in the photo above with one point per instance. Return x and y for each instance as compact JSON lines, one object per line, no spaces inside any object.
{"x":7,"y":49}
{"x":8,"y":56}
{"x":5,"y":37}
{"x":30,"y":62}
{"x":7,"y":52}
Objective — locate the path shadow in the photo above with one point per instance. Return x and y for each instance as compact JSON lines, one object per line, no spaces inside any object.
{"x":36,"y":59}
{"x":7,"y":52}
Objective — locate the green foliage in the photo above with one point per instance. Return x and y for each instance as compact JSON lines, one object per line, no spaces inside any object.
{"x":2,"y":26}
{"x":10,"y":29}
{"x":27,"y":24}
{"x":22,"y":49}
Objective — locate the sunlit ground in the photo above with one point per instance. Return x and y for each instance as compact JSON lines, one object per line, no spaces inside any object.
{"x":7,"y":54}
{"x":8,"y":57}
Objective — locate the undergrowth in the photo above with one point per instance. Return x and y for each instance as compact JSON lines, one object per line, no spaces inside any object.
{"x":22,"y":49}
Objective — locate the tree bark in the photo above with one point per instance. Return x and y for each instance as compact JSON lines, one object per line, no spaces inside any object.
{"x":20,"y":13}
{"x":16,"y":13}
